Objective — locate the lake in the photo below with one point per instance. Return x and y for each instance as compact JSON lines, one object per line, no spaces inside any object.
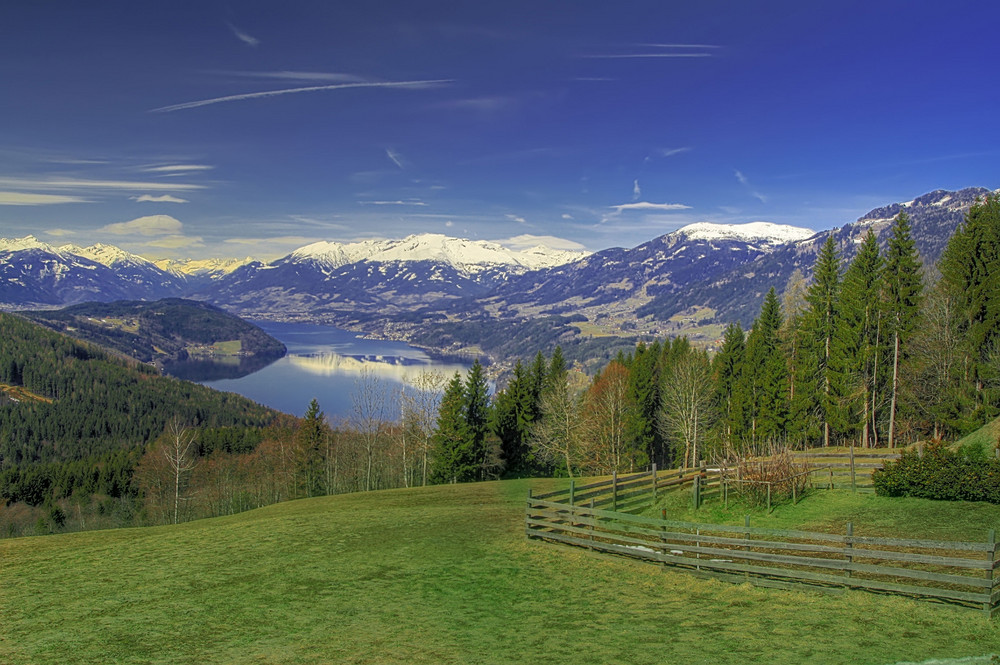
{"x":324,"y":363}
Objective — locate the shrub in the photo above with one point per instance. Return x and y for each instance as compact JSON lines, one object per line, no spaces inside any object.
{"x":941,"y":473}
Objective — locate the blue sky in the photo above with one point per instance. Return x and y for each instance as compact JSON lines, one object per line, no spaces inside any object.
{"x":194,"y":129}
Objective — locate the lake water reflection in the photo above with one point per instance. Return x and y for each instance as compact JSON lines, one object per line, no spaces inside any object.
{"x":325,"y":363}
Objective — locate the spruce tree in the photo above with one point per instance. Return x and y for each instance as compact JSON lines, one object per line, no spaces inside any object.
{"x":513,"y":417}
{"x":451,"y":461}
{"x":857,"y":343}
{"x":764,"y":380}
{"x":819,"y":330}
{"x":727,"y":368}
{"x":903,"y":289}
{"x":970,"y":269}
{"x":477,"y":419}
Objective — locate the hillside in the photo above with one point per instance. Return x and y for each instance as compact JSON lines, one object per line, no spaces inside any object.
{"x":159,"y":332}
{"x":90,"y":402}
{"x":430,"y":575}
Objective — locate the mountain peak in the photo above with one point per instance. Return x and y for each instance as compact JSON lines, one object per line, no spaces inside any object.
{"x":771,"y":233}
{"x":27,"y":242}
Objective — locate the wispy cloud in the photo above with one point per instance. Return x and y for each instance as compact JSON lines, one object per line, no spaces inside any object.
{"x":698,"y":46}
{"x":152,"y":225}
{"x":566,"y":215}
{"x":177,"y":168}
{"x":166,"y":198}
{"x":670,"y":152}
{"x":412,"y":202}
{"x":243,"y":36}
{"x":30,"y":199}
{"x":614,"y":56}
{"x":394,"y":157}
{"x":746,"y":183}
{"x":665,"y":152}
{"x":414,"y":85}
{"x":516,"y":218}
{"x":177,"y":242}
{"x":646,"y":205}
{"x":60,"y":233}
{"x":636,"y":191}
{"x":662,"y":51}
{"x":286,"y":75}
{"x":84,"y":184}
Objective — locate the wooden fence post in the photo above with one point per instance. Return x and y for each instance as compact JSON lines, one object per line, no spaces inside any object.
{"x":849,"y":545}
{"x":614,"y":491}
{"x":854,"y":486}
{"x":593,"y":519}
{"x":654,"y":482}
{"x":572,"y":490}
{"x":768,"y":496}
{"x":746,"y":536}
{"x":991,"y":540}
{"x":696,"y":492}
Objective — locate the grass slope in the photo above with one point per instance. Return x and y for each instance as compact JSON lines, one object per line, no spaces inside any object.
{"x":435,"y":575}
{"x":986,"y":436}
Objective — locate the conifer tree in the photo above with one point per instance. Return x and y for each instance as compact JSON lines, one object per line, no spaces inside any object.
{"x":819,"y":330}
{"x":902,"y":294}
{"x":513,"y":418}
{"x":764,"y":380}
{"x":477,"y":419}
{"x":970,"y":269}
{"x":857,"y":342}
{"x":727,"y":368}
{"x":452,"y":459}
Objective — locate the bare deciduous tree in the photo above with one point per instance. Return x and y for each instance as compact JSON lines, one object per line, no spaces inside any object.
{"x":559,"y":434}
{"x":369,"y":417}
{"x":686,"y":415}
{"x":180,"y":457}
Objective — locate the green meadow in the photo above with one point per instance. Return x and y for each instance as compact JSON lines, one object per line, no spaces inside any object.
{"x":446,"y":575}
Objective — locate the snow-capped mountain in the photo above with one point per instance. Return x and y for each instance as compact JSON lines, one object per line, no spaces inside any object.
{"x":211,"y":269}
{"x":737,"y":294}
{"x":624,"y":279}
{"x":751,"y":232}
{"x":36,"y":274}
{"x":469,"y":256}
{"x":379,"y":275}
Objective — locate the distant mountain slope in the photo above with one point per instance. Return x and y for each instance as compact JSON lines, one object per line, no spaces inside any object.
{"x":161,"y":331}
{"x":35,"y":274}
{"x":384,"y":276}
{"x":92,"y":402}
{"x":737,"y":294}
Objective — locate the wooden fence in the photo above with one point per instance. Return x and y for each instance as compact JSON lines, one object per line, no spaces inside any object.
{"x":633,"y":492}
{"x":846,"y":469}
{"x":956,"y":572}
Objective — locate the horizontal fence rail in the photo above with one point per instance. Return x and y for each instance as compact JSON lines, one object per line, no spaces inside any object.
{"x":955,"y":572}
{"x":848,"y":469}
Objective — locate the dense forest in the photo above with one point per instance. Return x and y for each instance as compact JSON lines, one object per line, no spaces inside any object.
{"x":882,"y":351}
{"x":158,"y":331}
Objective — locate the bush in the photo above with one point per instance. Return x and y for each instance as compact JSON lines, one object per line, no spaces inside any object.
{"x":941,"y":473}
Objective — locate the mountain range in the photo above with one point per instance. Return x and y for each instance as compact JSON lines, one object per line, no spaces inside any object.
{"x":689,"y":281}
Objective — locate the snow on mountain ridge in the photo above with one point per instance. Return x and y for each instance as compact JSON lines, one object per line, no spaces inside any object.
{"x":467,"y":255}
{"x":27,"y":242}
{"x":774,"y":234}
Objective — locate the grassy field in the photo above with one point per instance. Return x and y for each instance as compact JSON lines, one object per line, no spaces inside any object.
{"x":445,"y":575}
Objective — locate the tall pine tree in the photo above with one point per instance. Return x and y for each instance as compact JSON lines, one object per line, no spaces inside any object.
{"x":970,"y":269}
{"x":819,"y":329}
{"x":902,"y":293}
{"x":763,"y":382}
{"x":857,"y":342}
